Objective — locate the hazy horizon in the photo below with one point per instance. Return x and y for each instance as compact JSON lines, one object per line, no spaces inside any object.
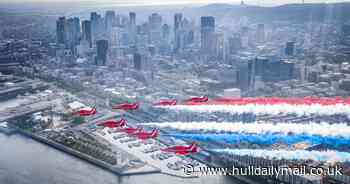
{"x":173,"y":2}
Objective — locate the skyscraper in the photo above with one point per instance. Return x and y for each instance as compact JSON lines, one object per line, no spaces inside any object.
{"x":260,"y":33}
{"x":165,"y":47}
{"x":234,"y":44}
{"x":86,"y":35}
{"x":68,"y":32}
{"x":190,"y":37}
{"x":132,"y":27}
{"x":208,"y":34}
{"x":155,"y":25}
{"x":244,"y":74}
{"x":76,"y":30}
{"x":165,"y":33}
{"x":186,"y":33}
{"x":177,"y":27}
{"x":155,"y":21}
{"x":289,"y":51}
{"x":102,"y":49}
{"x":345,"y":34}
{"x":286,"y":70}
{"x":60,"y":30}
{"x":137,"y":61}
{"x":95,"y":25}
{"x":132,"y":18}
{"x":93,"y":19}
{"x":109,"y":20}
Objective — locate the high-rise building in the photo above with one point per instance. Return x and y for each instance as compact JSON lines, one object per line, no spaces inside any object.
{"x":165,"y":33}
{"x":177,"y":27}
{"x":60,"y":30}
{"x":185,"y":33}
{"x":94,"y":19}
{"x":234,"y":44}
{"x":109,"y":20}
{"x":345,"y":37}
{"x":155,"y":20}
{"x":165,"y":47}
{"x":132,"y":27}
{"x":208,"y":35}
{"x":345,"y":29}
{"x":102,"y":49}
{"x":152,"y":50}
{"x":137,"y":61}
{"x":220,"y":51}
{"x":155,"y":28}
{"x":260,"y":33}
{"x":96,"y":25}
{"x":86,"y":33}
{"x":76,"y":30}
{"x":190,"y":37}
{"x":68,"y":32}
{"x":132,"y":18}
{"x":118,"y":20}
{"x":286,"y":70}
{"x":244,"y":75}
{"x":260,"y":65}
{"x":289,"y":51}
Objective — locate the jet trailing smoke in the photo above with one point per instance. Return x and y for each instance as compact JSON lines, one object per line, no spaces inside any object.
{"x":278,"y":100}
{"x":311,"y":128}
{"x":266,"y":139}
{"x":320,"y":156}
{"x":271,"y":109}
{"x":271,"y":105}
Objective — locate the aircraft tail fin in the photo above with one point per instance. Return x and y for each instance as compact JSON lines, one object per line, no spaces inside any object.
{"x":123,"y":122}
{"x":193,"y":146}
{"x":93,"y":108}
{"x":154,"y":133}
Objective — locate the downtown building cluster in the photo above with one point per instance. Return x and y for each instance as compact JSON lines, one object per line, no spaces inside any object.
{"x":184,"y":55}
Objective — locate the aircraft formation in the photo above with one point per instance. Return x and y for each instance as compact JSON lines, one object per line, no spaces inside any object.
{"x":139,"y":133}
{"x":254,"y":132}
{"x":135,"y":106}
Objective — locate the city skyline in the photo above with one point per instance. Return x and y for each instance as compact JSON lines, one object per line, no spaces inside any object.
{"x":178,"y":2}
{"x":162,"y":91}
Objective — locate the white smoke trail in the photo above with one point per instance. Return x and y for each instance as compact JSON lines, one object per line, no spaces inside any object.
{"x":320,"y":156}
{"x":311,"y":128}
{"x":266,"y":109}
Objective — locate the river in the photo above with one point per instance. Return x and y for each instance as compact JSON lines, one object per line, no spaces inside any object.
{"x":25,"y":161}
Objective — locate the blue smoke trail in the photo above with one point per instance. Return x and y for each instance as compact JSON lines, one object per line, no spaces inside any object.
{"x":267,"y":139}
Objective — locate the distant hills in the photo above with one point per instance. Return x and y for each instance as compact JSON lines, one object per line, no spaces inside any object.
{"x":224,"y":12}
{"x":291,"y":12}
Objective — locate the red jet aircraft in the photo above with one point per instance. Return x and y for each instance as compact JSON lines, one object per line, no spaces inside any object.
{"x":183,"y":150}
{"x":198,"y":99}
{"x":126,"y":106}
{"x":147,"y":135}
{"x":85,"y":112}
{"x":131,"y":130}
{"x":166,"y":102}
{"x":113,"y":123}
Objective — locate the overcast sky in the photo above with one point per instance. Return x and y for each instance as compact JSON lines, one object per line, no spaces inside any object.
{"x":177,"y":2}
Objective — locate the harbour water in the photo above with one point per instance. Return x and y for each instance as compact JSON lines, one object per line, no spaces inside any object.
{"x":25,"y":161}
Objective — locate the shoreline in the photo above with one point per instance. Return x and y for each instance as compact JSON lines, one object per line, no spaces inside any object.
{"x":86,"y":158}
